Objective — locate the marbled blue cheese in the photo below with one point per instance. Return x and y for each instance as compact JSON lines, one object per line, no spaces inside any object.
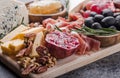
{"x":11,"y":14}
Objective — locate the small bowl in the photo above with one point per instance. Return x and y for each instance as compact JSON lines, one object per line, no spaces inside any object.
{"x":117,"y":3}
{"x":40,"y":17}
{"x":108,"y":40}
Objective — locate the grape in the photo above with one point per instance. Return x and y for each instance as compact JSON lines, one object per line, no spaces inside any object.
{"x":86,"y":13}
{"x":96,"y":8}
{"x":88,"y":4}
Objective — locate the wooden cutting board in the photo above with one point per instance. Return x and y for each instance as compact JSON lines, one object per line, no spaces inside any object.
{"x":65,"y":65}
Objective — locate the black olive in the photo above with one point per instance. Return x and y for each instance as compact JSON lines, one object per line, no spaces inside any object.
{"x":89,"y":21}
{"x":98,"y":17}
{"x":108,"y":21}
{"x":96,"y":25}
{"x":112,"y":27}
{"x":92,"y":14}
{"x":107,"y":12}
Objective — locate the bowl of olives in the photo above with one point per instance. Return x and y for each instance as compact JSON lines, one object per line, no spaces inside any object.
{"x":103,"y":21}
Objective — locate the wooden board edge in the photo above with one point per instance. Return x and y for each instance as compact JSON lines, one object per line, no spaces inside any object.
{"x":87,"y":59}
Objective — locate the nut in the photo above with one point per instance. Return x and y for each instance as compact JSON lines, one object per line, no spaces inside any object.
{"x":29,"y":69}
{"x":40,"y":69}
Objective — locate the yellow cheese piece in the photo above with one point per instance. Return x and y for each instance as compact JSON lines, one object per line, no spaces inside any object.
{"x":6,"y":49}
{"x":39,"y":40}
{"x":12,"y":47}
{"x":14,"y":33}
{"x":17,"y":45}
{"x":31,"y":30}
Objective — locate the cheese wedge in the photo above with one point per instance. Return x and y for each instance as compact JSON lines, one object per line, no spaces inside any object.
{"x":14,"y":33}
{"x":39,"y":40}
{"x":17,"y":45}
{"x":12,"y":47}
{"x":32,"y":30}
{"x":6,"y":49}
{"x":12,"y":14}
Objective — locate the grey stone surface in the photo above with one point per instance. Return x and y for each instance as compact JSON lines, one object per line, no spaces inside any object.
{"x":108,"y":67}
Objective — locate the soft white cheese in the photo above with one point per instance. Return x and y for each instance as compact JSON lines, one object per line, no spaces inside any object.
{"x":75,"y":5}
{"x":11,"y":14}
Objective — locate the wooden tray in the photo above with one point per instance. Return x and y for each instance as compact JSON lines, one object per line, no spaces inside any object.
{"x":65,"y":65}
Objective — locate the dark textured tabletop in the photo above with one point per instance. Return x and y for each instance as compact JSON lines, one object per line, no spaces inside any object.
{"x":108,"y":67}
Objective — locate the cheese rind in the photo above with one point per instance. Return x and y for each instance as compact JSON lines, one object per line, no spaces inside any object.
{"x":11,"y":15}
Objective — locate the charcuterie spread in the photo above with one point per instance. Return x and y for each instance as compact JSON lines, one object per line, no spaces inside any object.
{"x":38,"y":46}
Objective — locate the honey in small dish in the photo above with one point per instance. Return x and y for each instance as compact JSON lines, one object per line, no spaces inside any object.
{"x":45,"y":7}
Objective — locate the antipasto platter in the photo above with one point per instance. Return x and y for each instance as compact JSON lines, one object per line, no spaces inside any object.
{"x":52,"y":43}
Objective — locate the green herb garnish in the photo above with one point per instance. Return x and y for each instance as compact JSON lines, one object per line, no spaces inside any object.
{"x":101,"y":32}
{"x":56,"y":27}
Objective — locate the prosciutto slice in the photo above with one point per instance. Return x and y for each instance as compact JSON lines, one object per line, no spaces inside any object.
{"x":87,"y":44}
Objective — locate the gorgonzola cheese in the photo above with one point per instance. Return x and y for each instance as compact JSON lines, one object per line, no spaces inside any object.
{"x":12,"y":13}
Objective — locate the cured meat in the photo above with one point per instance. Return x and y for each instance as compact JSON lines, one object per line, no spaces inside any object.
{"x":94,"y":45}
{"x":61,"y":44}
{"x":86,"y":44}
{"x":57,"y":45}
{"x":76,"y":21}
